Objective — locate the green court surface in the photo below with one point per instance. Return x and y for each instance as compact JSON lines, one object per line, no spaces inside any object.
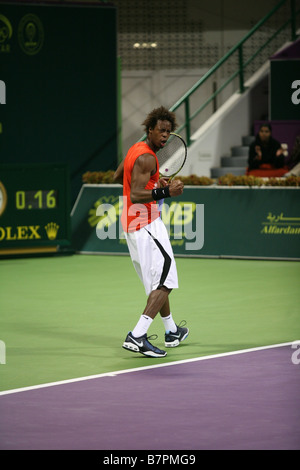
{"x":67,"y":316}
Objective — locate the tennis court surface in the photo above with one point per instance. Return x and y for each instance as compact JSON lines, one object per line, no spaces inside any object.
{"x":68,"y":384}
{"x":249,"y":400}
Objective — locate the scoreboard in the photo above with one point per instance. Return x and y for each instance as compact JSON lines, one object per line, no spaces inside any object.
{"x":34,"y":208}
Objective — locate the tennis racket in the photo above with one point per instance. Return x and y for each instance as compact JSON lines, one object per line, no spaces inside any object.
{"x":172,"y":156}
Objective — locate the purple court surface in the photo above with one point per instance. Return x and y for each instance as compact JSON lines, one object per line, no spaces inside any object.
{"x":248,"y":400}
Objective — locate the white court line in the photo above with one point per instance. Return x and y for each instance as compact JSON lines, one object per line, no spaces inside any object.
{"x":155,"y":366}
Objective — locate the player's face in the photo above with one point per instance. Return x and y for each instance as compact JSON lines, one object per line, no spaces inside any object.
{"x":159,"y":135}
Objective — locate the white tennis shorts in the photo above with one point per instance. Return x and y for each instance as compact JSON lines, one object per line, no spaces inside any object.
{"x":152,"y":256}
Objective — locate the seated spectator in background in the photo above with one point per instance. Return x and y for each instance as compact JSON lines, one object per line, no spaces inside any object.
{"x":265,"y":152}
{"x":294,"y":160}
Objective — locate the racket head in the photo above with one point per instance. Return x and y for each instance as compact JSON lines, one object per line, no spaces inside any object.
{"x":172,"y":156}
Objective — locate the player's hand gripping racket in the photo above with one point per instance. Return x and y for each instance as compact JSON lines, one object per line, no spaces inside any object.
{"x":172,"y":156}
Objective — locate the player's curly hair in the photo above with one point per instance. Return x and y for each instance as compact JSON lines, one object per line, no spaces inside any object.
{"x":159,"y":114}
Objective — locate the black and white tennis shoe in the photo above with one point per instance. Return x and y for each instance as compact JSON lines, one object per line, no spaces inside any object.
{"x":143,"y":346}
{"x":174,"y":339}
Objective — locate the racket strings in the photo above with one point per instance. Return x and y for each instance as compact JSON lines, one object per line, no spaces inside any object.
{"x":171,"y":157}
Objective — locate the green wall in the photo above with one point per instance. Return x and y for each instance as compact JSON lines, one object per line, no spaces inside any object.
{"x":59,"y":65}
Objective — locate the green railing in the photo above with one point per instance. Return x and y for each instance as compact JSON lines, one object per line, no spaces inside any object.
{"x":185,"y":100}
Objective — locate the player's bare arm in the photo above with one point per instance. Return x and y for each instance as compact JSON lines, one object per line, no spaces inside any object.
{"x":144,"y":167}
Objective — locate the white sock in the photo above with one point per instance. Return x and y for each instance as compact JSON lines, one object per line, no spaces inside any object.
{"x":169,"y":323}
{"x":142,"y":326}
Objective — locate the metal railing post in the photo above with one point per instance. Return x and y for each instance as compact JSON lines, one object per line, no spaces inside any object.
{"x":187,"y":121}
{"x":241,"y":69}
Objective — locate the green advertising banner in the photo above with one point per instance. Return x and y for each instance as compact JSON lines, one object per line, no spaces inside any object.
{"x":203,"y":221}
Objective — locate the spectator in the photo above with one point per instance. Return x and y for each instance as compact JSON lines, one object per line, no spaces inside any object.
{"x":265,"y":151}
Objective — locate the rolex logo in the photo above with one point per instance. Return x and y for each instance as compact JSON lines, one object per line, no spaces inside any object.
{"x":51,"y":229}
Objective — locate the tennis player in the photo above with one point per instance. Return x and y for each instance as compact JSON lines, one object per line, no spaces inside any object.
{"x":147,"y":237}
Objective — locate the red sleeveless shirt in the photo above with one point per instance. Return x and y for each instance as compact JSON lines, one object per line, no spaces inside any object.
{"x":136,"y":216}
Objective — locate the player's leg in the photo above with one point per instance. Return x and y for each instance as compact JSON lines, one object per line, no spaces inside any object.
{"x":153,"y":258}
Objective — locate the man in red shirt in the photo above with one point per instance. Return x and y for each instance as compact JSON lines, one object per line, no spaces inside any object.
{"x":147,"y":238}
